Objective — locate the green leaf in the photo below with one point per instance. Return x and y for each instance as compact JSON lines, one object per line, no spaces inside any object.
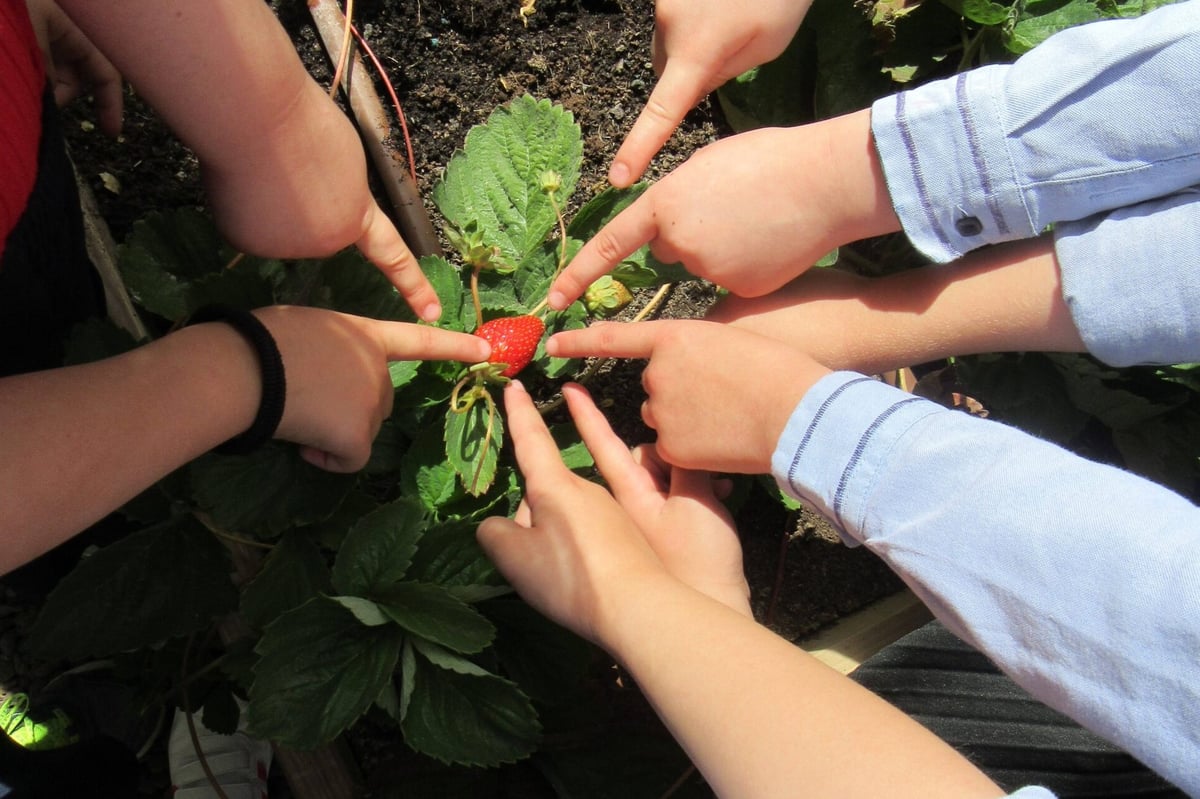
{"x":602,"y":209}
{"x":174,"y":262}
{"x":573,"y":318}
{"x":162,"y":582}
{"x":447,"y":282}
{"x":985,"y":12}
{"x":494,"y":180}
{"x":377,"y":552}
{"x":575,"y":454}
{"x":770,"y":95}
{"x":450,"y":555}
{"x":473,"y":440}
{"x":547,"y":661}
{"x":456,"y":714}
{"x":319,"y":671}
{"x":848,"y":71}
{"x":403,"y":372}
{"x":431,"y":612}
{"x":426,"y":473}
{"x":95,"y":339}
{"x":266,"y":491}
{"x":292,"y":574}
{"x":1041,"y":19}
{"x":349,"y":283}
{"x":368,"y":613}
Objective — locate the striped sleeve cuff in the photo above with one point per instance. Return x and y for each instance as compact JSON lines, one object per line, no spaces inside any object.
{"x":836,"y":440}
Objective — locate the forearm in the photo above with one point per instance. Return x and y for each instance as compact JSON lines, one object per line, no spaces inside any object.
{"x":1006,"y":298}
{"x":1014,"y":544}
{"x":761,"y":718}
{"x":80,"y":441}
{"x":223,"y":73}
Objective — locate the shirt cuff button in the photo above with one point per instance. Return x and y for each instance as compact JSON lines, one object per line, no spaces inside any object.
{"x":968,"y":226}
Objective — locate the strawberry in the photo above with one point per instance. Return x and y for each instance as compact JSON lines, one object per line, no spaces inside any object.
{"x":514,"y":340}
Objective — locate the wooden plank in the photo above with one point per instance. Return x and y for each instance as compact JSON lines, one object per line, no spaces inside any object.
{"x":853,"y":639}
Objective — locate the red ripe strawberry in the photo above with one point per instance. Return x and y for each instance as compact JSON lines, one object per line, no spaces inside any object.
{"x":514,"y":340}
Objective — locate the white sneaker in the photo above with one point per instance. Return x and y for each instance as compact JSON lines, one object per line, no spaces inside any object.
{"x":239,"y":763}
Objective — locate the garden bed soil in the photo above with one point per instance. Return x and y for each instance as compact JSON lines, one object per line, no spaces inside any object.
{"x":452,"y":63}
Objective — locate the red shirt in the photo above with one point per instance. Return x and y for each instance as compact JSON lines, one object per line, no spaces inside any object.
{"x":22,"y":82}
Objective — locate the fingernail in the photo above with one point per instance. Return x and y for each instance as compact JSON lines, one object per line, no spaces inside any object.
{"x":432,"y":311}
{"x":557,"y":300}
{"x":618,"y":175}
{"x":516,"y":385}
{"x":552,"y":346}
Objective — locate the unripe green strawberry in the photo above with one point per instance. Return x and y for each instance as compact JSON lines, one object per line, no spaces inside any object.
{"x":514,"y":341}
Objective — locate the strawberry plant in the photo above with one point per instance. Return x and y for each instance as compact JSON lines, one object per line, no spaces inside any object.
{"x":371,"y":597}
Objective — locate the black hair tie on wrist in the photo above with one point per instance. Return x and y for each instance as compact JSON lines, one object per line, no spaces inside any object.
{"x":274,"y":384}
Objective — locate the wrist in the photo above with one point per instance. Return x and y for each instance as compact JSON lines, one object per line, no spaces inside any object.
{"x":861,"y":199}
{"x":627,"y":613}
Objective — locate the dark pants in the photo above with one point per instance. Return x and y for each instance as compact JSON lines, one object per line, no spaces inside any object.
{"x":957,"y":693}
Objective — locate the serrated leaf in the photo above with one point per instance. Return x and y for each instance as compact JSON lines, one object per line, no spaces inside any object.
{"x":266,"y":491}
{"x":319,"y":670}
{"x":378,"y":550}
{"x":447,"y":282}
{"x":468,"y":718}
{"x":174,"y":262}
{"x":450,"y":555}
{"x":292,"y":574}
{"x":349,"y":283}
{"x":162,"y":582}
{"x":433,"y":613}
{"x":425,"y":471}
{"x":494,"y":180}
{"x":473,"y":440}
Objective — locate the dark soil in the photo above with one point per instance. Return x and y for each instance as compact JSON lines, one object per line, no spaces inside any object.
{"x":452,"y":63}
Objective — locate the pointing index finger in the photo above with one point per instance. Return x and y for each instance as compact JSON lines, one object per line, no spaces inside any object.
{"x":537,"y":453}
{"x":622,"y":236}
{"x":382,"y":245}
{"x":681,"y":86}
{"x":606,"y":340}
{"x":408,"y":342}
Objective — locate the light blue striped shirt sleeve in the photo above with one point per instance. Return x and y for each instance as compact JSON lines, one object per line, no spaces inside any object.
{"x":1081,"y":581}
{"x":1097,"y":117}
{"x":1096,"y":131}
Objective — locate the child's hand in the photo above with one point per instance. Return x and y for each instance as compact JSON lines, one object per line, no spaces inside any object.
{"x":699,"y":45}
{"x":75,"y":66}
{"x":750,"y":212}
{"x":677,"y":510}
{"x":338,"y":387}
{"x":570,"y":544}
{"x":719,"y":397}
{"x":304,"y":194}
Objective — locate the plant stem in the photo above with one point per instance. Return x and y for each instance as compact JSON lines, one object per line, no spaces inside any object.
{"x":344,"y":53}
{"x":562,"y":252}
{"x":475,"y":297}
{"x":487,"y":439}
